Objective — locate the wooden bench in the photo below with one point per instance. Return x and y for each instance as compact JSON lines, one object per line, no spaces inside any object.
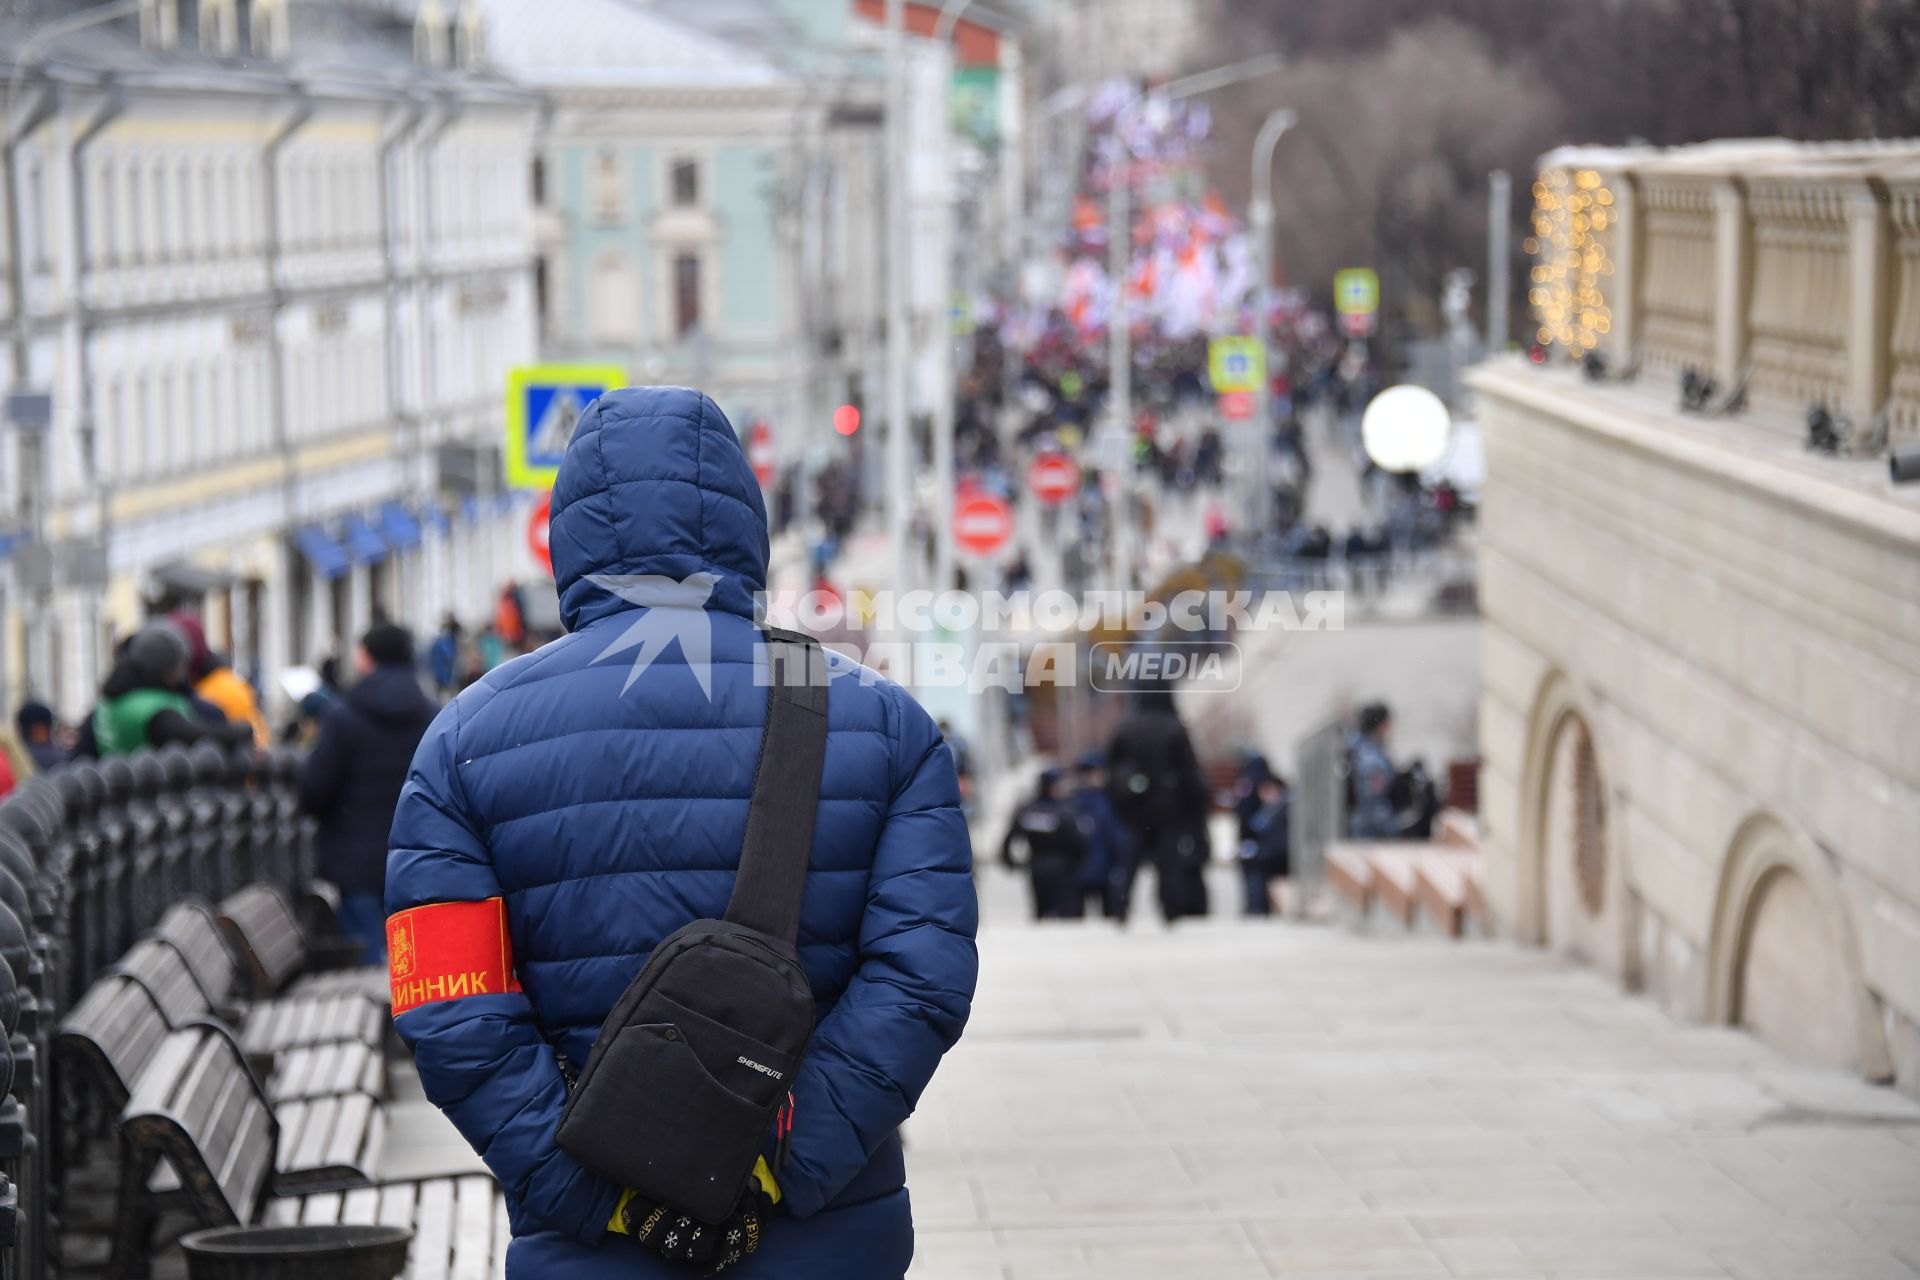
{"x":201,"y":1111}
{"x":370,"y":983}
{"x":299,"y":1022}
{"x":106,"y":1040}
{"x":158,"y":966}
{"x":324,"y":1070}
{"x":460,"y":1224}
{"x":266,"y":935}
{"x":335,"y":1039}
{"x":190,"y":927}
{"x":333,"y":1123}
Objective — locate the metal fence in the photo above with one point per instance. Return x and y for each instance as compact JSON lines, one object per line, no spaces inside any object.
{"x":91,"y":855}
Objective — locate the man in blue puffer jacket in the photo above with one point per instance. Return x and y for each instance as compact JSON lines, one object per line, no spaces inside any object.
{"x":579,"y":804}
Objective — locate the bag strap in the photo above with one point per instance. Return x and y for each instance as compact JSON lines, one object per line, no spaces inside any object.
{"x":786,"y":789}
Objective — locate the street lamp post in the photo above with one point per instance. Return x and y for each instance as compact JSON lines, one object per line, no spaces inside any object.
{"x":1120,"y":363}
{"x":942,"y":518}
{"x":1260,"y":217}
{"x":1499,"y":205}
{"x":899,"y":477}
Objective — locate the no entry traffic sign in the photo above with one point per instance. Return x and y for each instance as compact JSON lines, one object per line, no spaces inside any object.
{"x":760,"y":451}
{"x":982,"y":524}
{"x":1236,"y":406}
{"x":1053,"y":477}
{"x":538,"y":521}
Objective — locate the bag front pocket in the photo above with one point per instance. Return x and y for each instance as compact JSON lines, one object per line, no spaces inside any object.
{"x":741,"y":1064}
{"x":653,"y":1118}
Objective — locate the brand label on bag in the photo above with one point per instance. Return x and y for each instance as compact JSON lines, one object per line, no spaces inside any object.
{"x":446,"y":950}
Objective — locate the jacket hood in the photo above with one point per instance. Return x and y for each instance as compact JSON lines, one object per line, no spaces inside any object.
{"x":389,"y":694}
{"x":128,"y":675}
{"x":655,"y":504}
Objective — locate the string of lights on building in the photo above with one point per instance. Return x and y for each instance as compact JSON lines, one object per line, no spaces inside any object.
{"x":1571,"y":210}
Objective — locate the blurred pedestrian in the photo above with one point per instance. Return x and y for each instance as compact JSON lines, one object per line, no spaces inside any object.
{"x":216,"y":683}
{"x":1158,"y":791}
{"x":1056,"y":851}
{"x":1370,"y":777}
{"x":1107,"y":877}
{"x":443,"y":656}
{"x":1264,"y":844}
{"x":351,"y":781}
{"x":145,"y":701}
{"x":36,"y":724}
{"x":962,"y":752}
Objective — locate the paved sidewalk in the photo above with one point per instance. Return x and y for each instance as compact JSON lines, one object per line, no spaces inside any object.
{"x":1237,"y":1100}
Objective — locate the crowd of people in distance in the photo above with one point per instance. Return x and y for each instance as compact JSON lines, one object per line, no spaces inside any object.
{"x":1086,"y":833}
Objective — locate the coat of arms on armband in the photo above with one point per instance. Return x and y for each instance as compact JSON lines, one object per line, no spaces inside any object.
{"x":400,"y":950}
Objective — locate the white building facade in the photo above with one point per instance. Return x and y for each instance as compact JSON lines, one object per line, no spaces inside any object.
{"x":271,"y":289}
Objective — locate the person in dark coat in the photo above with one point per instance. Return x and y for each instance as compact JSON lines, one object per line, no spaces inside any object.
{"x":351,"y":780}
{"x":1157,"y":788}
{"x":585,"y":801}
{"x":36,"y":724}
{"x":1254,"y":770}
{"x":1107,"y":877}
{"x":1264,"y":844}
{"x":1056,"y":850}
{"x":1370,"y":777}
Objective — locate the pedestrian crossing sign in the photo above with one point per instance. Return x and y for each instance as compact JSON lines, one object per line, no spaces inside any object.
{"x":544,"y":401}
{"x":1236,"y":365}
{"x":1356,"y":291}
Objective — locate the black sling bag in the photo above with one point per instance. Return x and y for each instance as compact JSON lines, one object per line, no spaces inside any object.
{"x":691,"y":1067}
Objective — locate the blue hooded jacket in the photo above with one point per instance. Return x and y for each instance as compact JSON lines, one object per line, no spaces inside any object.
{"x":599,"y":786}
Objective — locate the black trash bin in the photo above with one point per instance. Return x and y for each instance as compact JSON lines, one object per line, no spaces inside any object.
{"x":339,"y":1252}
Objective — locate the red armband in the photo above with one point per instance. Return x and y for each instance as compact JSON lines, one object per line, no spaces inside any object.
{"x":446,"y":950}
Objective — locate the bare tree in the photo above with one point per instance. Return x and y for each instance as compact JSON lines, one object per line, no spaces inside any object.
{"x":1405,"y":105}
{"x":1387,"y":167}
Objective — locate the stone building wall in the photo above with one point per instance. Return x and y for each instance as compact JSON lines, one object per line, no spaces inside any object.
{"x":1733,"y":628}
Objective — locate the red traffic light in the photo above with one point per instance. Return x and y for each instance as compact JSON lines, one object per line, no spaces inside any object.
{"x":846,"y":419}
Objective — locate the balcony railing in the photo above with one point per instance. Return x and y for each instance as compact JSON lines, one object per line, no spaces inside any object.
{"x":1788,"y":273}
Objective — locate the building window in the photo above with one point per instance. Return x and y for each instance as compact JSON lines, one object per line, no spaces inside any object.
{"x":159,"y":23}
{"x":539,"y":180}
{"x":162,"y":214}
{"x":219,"y":28}
{"x":192,"y":231}
{"x":270,"y":35}
{"x":470,"y":37}
{"x":609,"y":196}
{"x":613,"y":300}
{"x":35,"y":245}
{"x":210,"y":230}
{"x":686,"y":294}
{"x":136,"y":217}
{"x":685,"y":184}
{"x":107,"y":219}
{"x":114,"y":464}
{"x":166,"y":451}
{"x":194,"y":420}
